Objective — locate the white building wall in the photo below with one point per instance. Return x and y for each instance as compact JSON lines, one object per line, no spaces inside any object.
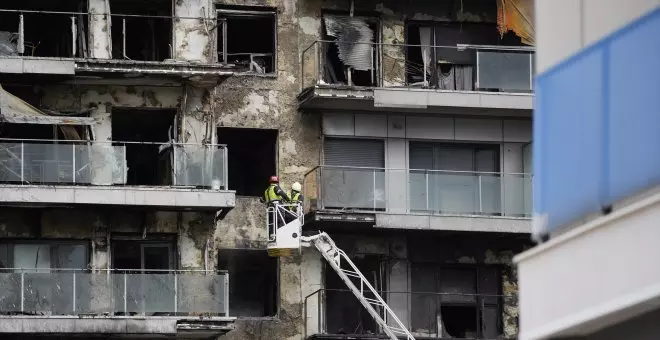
{"x":567,"y":26}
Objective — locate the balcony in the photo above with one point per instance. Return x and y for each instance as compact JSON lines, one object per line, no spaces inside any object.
{"x":420,"y":199}
{"x":158,"y":303}
{"x":87,"y":43}
{"x":52,"y":173}
{"x":337,"y":314}
{"x":489,"y":78}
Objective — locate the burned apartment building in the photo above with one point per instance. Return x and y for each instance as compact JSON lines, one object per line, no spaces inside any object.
{"x":138,"y":136}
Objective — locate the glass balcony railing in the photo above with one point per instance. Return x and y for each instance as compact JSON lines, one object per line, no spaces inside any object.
{"x":458,"y":68}
{"x":107,"y":163}
{"x":60,"y":292}
{"x":133,"y":37}
{"x":418,"y":191}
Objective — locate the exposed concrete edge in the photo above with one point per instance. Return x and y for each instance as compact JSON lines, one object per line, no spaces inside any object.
{"x":12,"y":64}
{"x":118,"y":195}
{"x":454,"y":223}
{"x":423,"y":98}
{"x":110,"y":325}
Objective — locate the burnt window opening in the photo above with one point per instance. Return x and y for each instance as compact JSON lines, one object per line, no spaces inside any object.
{"x":141,"y":30}
{"x":44,"y":255}
{"x":47,"y":133}
{"x":139,"y":256}
{"x":247,"y":38}
{"x":51,"y":155}
{"x":456,"y":301}
{"x":252,"y":158}
{"x":344,"y":313}
{"x":142,"y":125}
{"x":156,"y":256}
{"x":253,"y":282}
{"x":352,"y":58}
{"x":44,"y":34}
{"x":447,"y":67}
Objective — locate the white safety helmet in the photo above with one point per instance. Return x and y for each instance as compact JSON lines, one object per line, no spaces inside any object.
{"x":296,"y":187}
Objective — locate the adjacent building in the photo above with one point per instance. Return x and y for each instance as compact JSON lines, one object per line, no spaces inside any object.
{"x":138,"y":137}
{"x":597,"y":174}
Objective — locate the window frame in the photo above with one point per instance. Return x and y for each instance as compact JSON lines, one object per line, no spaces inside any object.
{"x":49,"y":242}
{"x":480,"y":302}
{"x":223,"y":12}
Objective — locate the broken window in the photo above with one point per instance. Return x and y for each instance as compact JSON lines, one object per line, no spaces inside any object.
{"x":252,"y":158}
{"x":253,"y":282}
{"x":247,"y":38}
{"x":141,"y":30}
{"x":141,"y":255}
{"x":455,"y":302}
{"x":142,"y":127}
{"x":352,"y":57}
{"x":42,"y":256}
{"x":27,"y":28}
{"x":438,"y":63}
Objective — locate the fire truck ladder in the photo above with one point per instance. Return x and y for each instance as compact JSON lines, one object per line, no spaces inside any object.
{"x":336,"y":258}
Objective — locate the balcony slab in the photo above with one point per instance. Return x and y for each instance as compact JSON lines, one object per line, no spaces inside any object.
{"x":32,"y":65}
{"x":152,"y":326}
{"x":473,"y":223}
{"x":467,"y":223}
{"x":415,"y":100}
{"x":164,"y":198}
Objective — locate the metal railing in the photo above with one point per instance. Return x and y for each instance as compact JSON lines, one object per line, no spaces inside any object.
{"x":459,"y":68}
{"x":70,"y":31}
{"x":336,"y":311}
{"x":118,"y":292}
{"x":76,"y":162}
{"x":418,"y":191}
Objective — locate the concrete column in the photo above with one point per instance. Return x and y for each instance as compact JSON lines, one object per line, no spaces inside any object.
{"x":398,"y":281}
{"x":192,"y":33}
{"x":512,"y":185}
{"x":396,"y":177}
{"x":311,"y":274}
{"x":100,"y":39}
{"x":107,"y":162}
{"x":194,"y":168}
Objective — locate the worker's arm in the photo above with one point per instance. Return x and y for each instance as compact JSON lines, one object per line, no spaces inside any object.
{"x":282,"y":193}
{"x":301,"y":199}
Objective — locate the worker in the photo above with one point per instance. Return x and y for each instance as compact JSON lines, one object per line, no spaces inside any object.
{"x":296,"y":198}
{"x":273,"y":196}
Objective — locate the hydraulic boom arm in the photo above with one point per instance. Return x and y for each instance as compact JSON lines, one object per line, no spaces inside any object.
{"x":284,"y":229}
{"x":363,"y":291}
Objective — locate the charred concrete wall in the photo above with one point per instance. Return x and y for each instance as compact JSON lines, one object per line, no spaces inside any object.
{"x":393,"y":15}
{"x":96,"y":226}
{"x":399,"y":251}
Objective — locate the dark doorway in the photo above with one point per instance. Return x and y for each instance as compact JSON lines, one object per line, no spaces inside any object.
{"x":136,"y":125}
{"x":344,"y":313}
{"x":252,"y":158}
{"x":252,"y":281}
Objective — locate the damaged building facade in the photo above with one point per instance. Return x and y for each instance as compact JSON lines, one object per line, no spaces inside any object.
{"x":138,"y":138}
